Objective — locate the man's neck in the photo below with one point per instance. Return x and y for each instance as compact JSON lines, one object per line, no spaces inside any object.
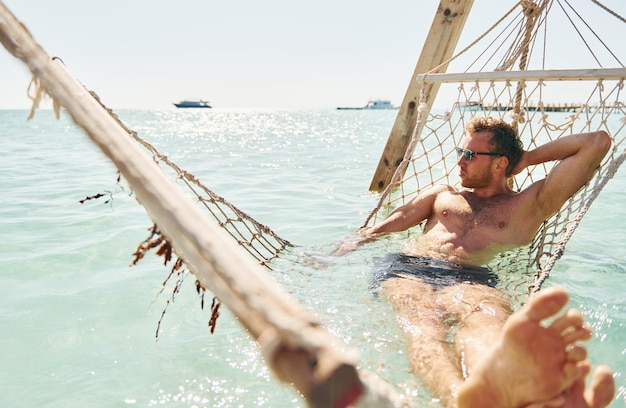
{"x":491,"y":191}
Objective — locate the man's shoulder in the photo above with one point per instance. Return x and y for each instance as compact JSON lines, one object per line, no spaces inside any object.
{"x":443,"y":188}
{"x":432,"y":193}
{"x":441,"y":191}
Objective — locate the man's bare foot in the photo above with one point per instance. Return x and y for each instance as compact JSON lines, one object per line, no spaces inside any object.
{"x":531,"y":362}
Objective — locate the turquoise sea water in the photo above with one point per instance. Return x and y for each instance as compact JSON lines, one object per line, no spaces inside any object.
{"x":77,"y":324}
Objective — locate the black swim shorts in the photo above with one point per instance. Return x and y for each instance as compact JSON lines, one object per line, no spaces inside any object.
{"x":435,"y":272}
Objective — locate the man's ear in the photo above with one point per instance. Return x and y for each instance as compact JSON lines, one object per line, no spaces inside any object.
{"x":502,"y":163}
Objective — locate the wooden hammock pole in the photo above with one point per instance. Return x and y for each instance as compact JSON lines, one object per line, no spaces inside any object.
{"x":295,"y":346}
{"x":439,"y":46}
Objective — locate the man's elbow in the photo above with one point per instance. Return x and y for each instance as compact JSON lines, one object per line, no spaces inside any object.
{"x":601,"y":142}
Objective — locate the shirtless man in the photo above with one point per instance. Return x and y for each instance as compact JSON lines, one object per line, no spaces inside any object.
{"x":451,"y":325}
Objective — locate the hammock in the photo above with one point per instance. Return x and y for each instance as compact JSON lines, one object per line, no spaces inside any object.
{"x":527,"y":98}
{"x":433,"y":159}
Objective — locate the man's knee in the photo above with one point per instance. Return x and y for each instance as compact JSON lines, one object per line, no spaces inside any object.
{"x":488,"y":310}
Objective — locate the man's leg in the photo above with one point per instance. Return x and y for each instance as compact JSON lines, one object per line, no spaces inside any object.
{"x":423,"y":319}
{"x":483,"y":311}
{"x":531,"y":363}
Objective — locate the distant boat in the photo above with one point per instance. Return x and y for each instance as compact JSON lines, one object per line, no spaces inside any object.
{"x":379,"y":104}
{"x":193,"y":104}
{"x":375,"y":104}
{"x":472,"y":106}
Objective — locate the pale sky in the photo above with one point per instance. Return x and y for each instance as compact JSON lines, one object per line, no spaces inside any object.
{"x":252,"y":54}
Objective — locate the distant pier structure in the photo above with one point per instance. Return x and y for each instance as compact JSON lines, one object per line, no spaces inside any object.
{"x":559,"y":107}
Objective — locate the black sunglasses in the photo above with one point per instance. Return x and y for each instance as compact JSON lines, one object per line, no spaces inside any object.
{"x":468,"y":154}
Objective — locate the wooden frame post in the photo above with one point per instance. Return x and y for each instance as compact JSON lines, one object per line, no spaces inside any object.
{"x":439,"y":47}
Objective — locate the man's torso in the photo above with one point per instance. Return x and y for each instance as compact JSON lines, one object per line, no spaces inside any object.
{"x":467,"y":229}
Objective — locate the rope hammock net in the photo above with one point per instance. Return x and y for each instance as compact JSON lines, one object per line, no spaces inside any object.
{"x":433,"y":162}
{"x":528,"y":99}
{"x":434,"y":159}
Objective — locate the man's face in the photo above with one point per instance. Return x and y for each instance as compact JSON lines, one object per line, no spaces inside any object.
{"x":478,"y":172}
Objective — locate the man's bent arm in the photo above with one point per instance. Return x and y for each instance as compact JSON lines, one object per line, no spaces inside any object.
{"x":402,"y":218}
{"x":409,"y":214}
{"x":579,"y":156}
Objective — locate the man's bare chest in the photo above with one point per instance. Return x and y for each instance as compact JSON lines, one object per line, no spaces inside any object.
{"x":467,"y":212}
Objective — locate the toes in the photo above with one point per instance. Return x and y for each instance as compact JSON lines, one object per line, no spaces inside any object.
{"x":546,"y":303}
{"x":571,"y":318}
{"x":572,"y":371}
{"x":577,"y":334}
{"x":602,"y":388}
{"x":576,"y":353}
